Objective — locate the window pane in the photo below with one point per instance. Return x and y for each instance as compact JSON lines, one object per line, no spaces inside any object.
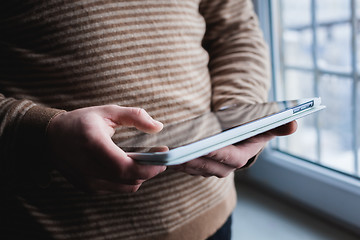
{"x":297,"y":47}
{"x":298,"y":84}
{"x":296,"y":13}
{"x":297,"y":35}
{"x":336,"y":123}
{"x":334,"y":35}
{"x":334,"y":48}
{"x":332,"y":10}
{"x":302,"y":143}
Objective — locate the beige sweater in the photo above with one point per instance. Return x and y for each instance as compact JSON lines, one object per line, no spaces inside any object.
{"x":174,"y":58}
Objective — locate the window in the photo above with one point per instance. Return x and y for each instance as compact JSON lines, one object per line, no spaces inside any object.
{"x":318,"y":56}
{"x":315,"y":47}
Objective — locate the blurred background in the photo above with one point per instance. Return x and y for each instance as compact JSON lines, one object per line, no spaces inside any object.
{"x":314,"y":173}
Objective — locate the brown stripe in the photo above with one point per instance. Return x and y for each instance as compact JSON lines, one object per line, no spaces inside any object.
{"x":115,"y":62}
{"x":59,"y":32}
{"x":91,"y":72}
{"x":64,"y":10}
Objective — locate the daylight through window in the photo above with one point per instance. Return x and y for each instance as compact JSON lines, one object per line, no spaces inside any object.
{"x":316,"y":51}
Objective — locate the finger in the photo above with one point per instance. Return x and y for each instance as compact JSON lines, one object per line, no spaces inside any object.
{"x":132,"y":117}
{"x":263,"y":138}
{"x":284,"y":130}
{"x":120,"y":167}
{"x":233,"y":156}
{"x":159,"y":149}
{"x":204,"y":167}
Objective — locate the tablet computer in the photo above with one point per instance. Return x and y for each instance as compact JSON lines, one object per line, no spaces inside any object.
{"x":186,"y":140}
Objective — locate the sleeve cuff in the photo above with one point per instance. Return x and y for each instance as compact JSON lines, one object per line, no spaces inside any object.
{"x":30,"y":165}
{"x":35,"y":122}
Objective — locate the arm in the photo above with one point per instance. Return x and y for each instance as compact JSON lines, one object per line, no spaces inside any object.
{"x":22,"y":138}
{"x":239,"y":62}
{"x":239,"y":69}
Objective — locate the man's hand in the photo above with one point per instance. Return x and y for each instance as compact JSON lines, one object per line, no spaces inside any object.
{"x":222,"y":162}
{"x":83,"y":151}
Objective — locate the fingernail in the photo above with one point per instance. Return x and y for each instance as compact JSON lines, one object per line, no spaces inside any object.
{"x":155,"y":122}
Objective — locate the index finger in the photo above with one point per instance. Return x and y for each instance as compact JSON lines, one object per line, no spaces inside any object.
{"x":284,"y":130}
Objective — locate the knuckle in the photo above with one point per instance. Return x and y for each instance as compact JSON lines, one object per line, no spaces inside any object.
{"x":204,"y":165}
{"x":227,"y":157}
{"x":109,"y":107}
{"x":113,"y":106}
{"x":138,"y":112}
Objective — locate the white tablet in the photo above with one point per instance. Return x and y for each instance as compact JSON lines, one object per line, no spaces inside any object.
{"x":187,"y":140}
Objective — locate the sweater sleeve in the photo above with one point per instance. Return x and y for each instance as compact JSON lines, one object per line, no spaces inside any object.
{"x":22,"y":138}
{"x":239,"y":62}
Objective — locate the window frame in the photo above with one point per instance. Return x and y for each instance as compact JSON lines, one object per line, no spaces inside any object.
{"x":325,"y":192}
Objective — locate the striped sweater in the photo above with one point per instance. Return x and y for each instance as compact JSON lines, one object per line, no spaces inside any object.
{"x":174,"y":58}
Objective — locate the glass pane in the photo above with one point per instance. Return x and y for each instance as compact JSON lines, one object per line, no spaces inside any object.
{"x":296,"y":13}
{"x":334,"y":48}
{"x":334,"y":35}
{"x":297,"y":47}
{"x":336,"y":129}
{"x":303,"y":143}
{"x":298,"y":84}
{"x":332,"y":10}
{"x":297,"y":35}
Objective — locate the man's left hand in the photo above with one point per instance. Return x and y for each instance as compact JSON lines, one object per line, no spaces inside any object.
{"x":222,"y":162}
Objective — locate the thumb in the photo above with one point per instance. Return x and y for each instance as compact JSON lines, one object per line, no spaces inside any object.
{"x":284,"y":130}
{"x":132,"y":117}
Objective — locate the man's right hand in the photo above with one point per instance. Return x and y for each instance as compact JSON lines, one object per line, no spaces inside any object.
{"x":83,"y":151}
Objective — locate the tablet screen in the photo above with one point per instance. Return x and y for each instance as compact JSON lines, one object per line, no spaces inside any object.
{"x":182,"y":133}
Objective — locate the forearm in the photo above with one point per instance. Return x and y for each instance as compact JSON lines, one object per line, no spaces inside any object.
{"x":22,"y":136}
{"x":239,"y":62}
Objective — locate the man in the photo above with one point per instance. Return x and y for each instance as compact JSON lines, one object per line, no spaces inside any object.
{"x":74,"y":72}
